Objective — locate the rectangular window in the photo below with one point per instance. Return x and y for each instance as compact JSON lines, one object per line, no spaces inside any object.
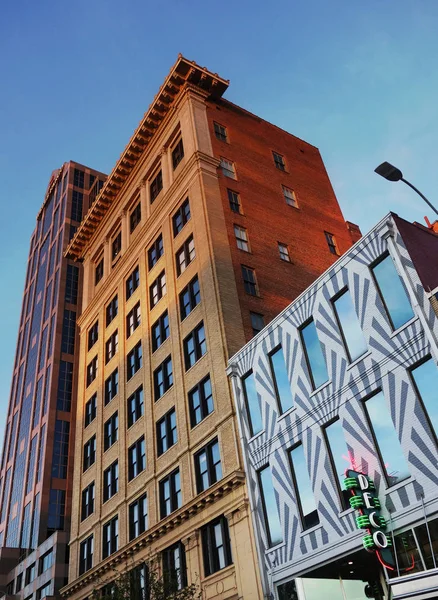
{"x":93,"y":335}
{"x":60,"y":449}
{"x":208,"y":466}
{"x":155,"y":252}
{"x":156,"y":186}
{"x":281,"y":380}
{"x":133,"y":319}
{"x":135,"y":217}
{"x":135,"y":406}
{"x":68,"y":332}
{"x":65,"y":386}
{"x":174,"y":569}
{"x":71,"y":284}
{"x":314,"y":355}
{"x":253,"y":405}
{"x":89,"y":453}
{"x":110,"y":431}
{"x":234,"y":200}
{"x":44,"y":591}
{"x":87,"y":504}
{"x":331,"y":242}
{"x":136,"y":458}
{"x":289,"y":196}
{"x":86,"y":555}
{"x":228,"y":168}
{"x":110,"y":537}
{"x":351,"y":331}
{"x":279,"y":161}
{"x":91,"y":371}
{"x":90,"y":410}
{"x":160,"y":331}
{"x":303,"y":488}
{"x":111,"y":386}
{"x":110,"y":481}
{"x":393,"y":461}
{"x":111,"y":346}
{"x":46,"y":561}
{"x":195,"y":346}
{"x":112,"y":309}
{"x":189,"y":298}
{"x":158,"y":289}
{"x":138,"y":517}
{"x":257,"y":322}
{"x":185,"y":255}
{"x":200,"y":401}
{"x":241,"y":238}
{"x":30,"y":574}
{"x":78,"y":178}
{"x":181,"y":217}
{"x":425,"y":377}
{"x":163,"y":378}
{"x":216,"y":547}
{"x":166,"y":432}
{"x":132,"y":282}
{"x":392,"y":292}
{"x":250,"y":281}
{"x":77,"y":200}
{"x":170,"y":494}
{"x":177,"y":154}
{"x":134,"y":361}
{"x":270,"y":508}
{"x":283,"y":249}
{"x":220,"y":132}
{"x":98,"y":272}
{"x":116,"y":246}
{"x":341,"y":457}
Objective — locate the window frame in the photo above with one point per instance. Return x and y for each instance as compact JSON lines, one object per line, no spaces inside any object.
{"x":156,"y":186}
{"x":242,"y":243}
{"x":110,"y":487}
{"x":142,"y":517}
{"x":188,"y":253}
{"x":163,"y":366}
{"x":291,"y":200}
{"x":134,"y":360}
{"x":220,"y":132}
{"x":198,"y":344}
{"x":155,"y":251}
{"x":135,"y":217}
{"x":177,"y":153}
{"x":160,"y":324}
{"x":135,"y":315}
{"x":111,"y":431}
{"x":345,"y":505}
{"x":207,"y":449}
{"x":276,"y":349}
{"x":132,"y":282}
{"x":267,"y":525}
{"x":86,"y":501}
{"x":184,"y":214}
{"x":112,"y":545}
{"x":111,"y":382}
{"x":210,"y":550}
{"x":86,"y":558}
{"x":232,"y":194}
{"x":224,"y":162}
{"x":111,"y":310}
{"x":246,"y":402}
{"x":282,"y":246}
{"x":252,"y":283}
{"x":279,"y":161}
{"x":139,"y":404}
{"x":346,"y":290}
{"x":188,"y":289}
{"x":332,"y":244}
{"x":137,"y":445}
{"x":203,"y":405}
{"x":111,"y":346}
{"x":174,"y":493}
{"x":306,"y":356}
{"x":161,"y":289}
{"x":171,"y":433}
{"x":296,"y":489}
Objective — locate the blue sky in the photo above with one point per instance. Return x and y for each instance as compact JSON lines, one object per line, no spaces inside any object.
{"x":356,"y":79}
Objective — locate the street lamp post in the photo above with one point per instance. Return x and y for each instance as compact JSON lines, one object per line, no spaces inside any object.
{"x":391,"y":173}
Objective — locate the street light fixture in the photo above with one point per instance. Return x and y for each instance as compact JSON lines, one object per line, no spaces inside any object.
{"x":391,"y":173}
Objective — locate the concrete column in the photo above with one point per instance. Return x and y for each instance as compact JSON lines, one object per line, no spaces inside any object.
{"x":165,"y":169}
{"x":125,"y":230}
{"x":106,"y":257}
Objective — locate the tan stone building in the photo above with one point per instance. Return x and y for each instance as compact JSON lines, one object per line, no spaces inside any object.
{"x":211,"y":222}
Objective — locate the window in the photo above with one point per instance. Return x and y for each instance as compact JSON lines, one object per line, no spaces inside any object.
{"x":77,"y":200}
{"x":189,"y":298}
{"x":156,"y":185}
{"x":78,"y":178}
{"x":284,"y":252}
{"x":220,"y":132}
{"x":257,"y":322}
{"x":228,"y":168}
{"x":46,"y":561}
{"x":270,"y":508}
{"x":60,"y":449}
{"x":200,"y":401}
{"x":111,"y":346}
{"x":170,"y":494}
{"x":86,"y":555}
{"x":135,"y":217}
{"x":135,"y":406}
{"x":253,"y":405}
{"x":134,"y":361}
{"x":19,"y":580}
{"x":185,"y":255}
{"x":112,"y":309}
{"x":281,"y":380}
{"x":174,"y":569}
{"x":181,"y":217}
{"x":30,"y":574}
{"x":89,"y":453}
{"x":234,"y":200}
{"x":44,"y":591}
{"x":177,"y":154}
{"x":110,"y":431}
{"x":136,"y":458}
{"x":116,"y":246}
{"x":110,"y":481}
{"x":341,"y":457}
{"x":160,"y":331}
{"x":393,"y":462}
{"x":91,"y":371}
{"x":352,"y":335}
{"x":166,"y":432}
{"x":208,"y":466}
{"x":289,"y":196}
{"x":111,"y":386}
{"x":65,"y":386}
{"x":90,"y":409}
{"x":393,"y":292}
{"x":425,"y":378}
{"x":132,"y":282}
{"x":110,"y":537}
{"x":303,"y":488}
{"x":56,"y":514}
{"x":331,"y":242}
{"x":163,"y":378}
{"x":158,"y":289}
{"x":241,"y":238}
{"x":250,"y":281}
{"x":195,"y":346}
{"x":139,"y":582}
{"x":87,"y":504}
{"x":138,"y":517}
{"x":93,"y":334}
{"x":71,"y":284}
{"x":279,"y":161}
{"x":98,"y":272}
{"x":133,"y":319}
{"x":216,"y":548}
{"x":314,"y":355}
{"x":155,"y":252}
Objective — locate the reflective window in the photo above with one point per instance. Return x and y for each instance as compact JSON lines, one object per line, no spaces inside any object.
{"x":340,"y":455}
{"x":351,"y":330}
{"x":281,"y":380}
{"x":252,"y":402}
{"x":392,"y":292}
{"x":314,"y":355}
{"x":425,"y":377}
{"x":303,"y":487}
{"x":270,"y":509}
